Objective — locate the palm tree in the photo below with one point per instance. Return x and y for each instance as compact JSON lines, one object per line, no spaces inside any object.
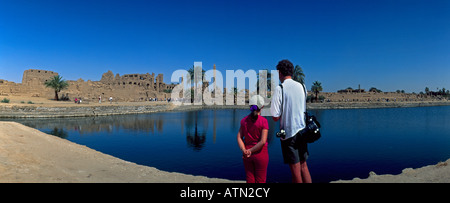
{"x":298,"y":75}
{"x":193,"y":79}
{"x":57,"y":83}
{"x":316,"y":88}
{"x":268,"y":79}
{"x":191,"y":73}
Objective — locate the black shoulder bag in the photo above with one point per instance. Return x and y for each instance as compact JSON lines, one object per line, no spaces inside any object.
{"x":311,"y":132}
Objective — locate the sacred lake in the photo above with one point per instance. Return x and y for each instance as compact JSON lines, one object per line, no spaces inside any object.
{"x":203,"y":142}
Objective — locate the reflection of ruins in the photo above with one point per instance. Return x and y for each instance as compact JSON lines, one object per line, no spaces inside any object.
{"x":190,"y":125}
{"x":129,"y":87}
{"x":87,"y":125}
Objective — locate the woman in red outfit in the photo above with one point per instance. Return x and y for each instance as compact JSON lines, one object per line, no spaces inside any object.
{"x":252,"y":140}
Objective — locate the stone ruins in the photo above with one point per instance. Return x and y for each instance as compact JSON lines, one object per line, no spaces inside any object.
{"x":129,"y":87}
{"x":147,"y":87}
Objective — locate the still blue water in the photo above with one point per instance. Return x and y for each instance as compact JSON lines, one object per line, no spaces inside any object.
{"x":354,"y":141}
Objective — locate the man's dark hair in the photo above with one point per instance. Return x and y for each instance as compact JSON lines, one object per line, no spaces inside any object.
{"x":285,"y":67}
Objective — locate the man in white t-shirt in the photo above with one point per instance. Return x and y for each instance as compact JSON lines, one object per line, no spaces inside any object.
{"x":288,"y":105}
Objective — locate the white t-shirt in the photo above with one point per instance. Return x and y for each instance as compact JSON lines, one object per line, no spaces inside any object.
{"x":294,"y":106}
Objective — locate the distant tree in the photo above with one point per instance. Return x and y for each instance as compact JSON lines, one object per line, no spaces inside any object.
{"x":316,"y":88}
{"x":193,"y":79}
{"x":268,"y":78}
{"x":191,"y":73}
{"x":427,"y":90}
{"x":57,"y":83}
{"x":298,"y":75}
{"x":5,"y":100}
{"x":373,"y":89}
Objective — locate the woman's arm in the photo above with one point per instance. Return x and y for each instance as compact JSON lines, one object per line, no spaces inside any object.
{"x":240,"y":141}
{"x":245,"y":152}
{"x":261,"y":142}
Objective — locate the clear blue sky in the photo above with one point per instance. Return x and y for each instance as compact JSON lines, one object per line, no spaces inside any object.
{"x":388,"y":44}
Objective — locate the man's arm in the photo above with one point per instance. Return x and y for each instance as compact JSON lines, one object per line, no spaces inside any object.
{"x":275,"y":106}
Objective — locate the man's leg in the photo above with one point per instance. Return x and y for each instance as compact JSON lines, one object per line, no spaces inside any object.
{"x":306,"y":177}
{"x":296,"y":173}
{"x":291,"y":157}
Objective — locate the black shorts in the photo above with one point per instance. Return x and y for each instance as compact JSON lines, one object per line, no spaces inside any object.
{"x":294,"y":149}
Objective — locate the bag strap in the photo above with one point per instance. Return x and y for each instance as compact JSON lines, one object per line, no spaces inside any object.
{"x":282,"y":99}
{"x":304,"y":91}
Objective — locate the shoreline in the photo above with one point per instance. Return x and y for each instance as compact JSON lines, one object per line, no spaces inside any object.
{"x":374,"y":105}
{"x":66,"y":109}
{"x":31,"y":156}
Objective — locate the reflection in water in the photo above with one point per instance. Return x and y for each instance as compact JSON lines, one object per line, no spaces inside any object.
{"x":196,"y":141}
{"x":194,"y":138}
{"x":89,"y":125}
{"x":194,"y":124}
{"x":58,"y":132}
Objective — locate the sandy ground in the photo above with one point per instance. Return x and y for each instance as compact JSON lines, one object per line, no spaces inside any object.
{"x":28,"y":155}
{"x":439,"y":173}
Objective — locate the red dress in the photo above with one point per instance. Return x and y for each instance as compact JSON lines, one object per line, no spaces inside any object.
{"x":256,"y":164}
